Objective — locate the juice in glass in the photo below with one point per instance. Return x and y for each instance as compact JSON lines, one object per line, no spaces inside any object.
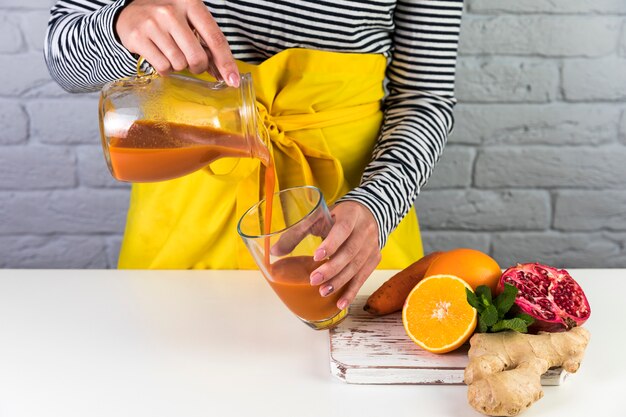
{"x":289,"y":277}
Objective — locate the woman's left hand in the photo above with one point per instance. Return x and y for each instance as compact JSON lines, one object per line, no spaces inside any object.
{"x":352,"y":246}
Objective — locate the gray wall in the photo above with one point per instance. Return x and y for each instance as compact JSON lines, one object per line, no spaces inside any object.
{"x":535,"y":169}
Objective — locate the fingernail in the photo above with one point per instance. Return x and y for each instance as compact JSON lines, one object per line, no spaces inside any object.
{"x":342,"y":304}
{"x":316,"y":278}
{"x":319,"y":255}
{"x":326,"y":290}
{"x":233,"y":79}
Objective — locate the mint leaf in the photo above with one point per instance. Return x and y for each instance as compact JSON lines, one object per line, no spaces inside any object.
{"x":516,"y":324}
{"x":506,"y":299}
{"x":526,"y":317}
{"x":482,"y":327}
{"x":473,"y":300}
{"x":491,"y":312}
{"x":490,"y":315}
{"x":484,"y":295}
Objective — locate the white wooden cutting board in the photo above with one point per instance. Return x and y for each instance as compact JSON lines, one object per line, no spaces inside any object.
{"x":365,"y":349}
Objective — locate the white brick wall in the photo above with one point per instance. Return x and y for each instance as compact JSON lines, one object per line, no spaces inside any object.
{"x":542,"y":106}
{"x":535,"y":169}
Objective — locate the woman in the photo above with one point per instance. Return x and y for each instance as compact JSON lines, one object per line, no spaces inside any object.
{"x":307,"y":57}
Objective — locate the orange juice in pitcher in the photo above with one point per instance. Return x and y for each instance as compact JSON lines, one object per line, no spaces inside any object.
{"x":156,"y":128}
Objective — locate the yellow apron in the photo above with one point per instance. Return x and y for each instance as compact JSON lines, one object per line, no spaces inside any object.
{"x":322,"y":112}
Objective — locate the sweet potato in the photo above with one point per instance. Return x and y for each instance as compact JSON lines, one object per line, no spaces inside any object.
{"x":390,"y":297}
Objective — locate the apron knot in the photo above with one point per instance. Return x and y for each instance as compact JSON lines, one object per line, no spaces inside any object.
{"x":265,"y":120}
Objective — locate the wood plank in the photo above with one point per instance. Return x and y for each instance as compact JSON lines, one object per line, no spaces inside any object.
{"x":365,"y":349}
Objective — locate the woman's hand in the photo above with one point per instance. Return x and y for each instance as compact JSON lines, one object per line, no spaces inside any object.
{"x":352,"y":246}
{"x":162,"y":31}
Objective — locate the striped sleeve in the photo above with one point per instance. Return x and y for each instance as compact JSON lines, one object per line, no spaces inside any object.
{"x":82,"y":51}
{"x":418,"y":110}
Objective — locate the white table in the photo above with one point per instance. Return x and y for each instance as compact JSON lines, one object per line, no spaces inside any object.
{"x":199,"y":343}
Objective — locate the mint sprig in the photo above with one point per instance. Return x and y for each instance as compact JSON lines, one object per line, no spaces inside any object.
{"x":493,"y":313}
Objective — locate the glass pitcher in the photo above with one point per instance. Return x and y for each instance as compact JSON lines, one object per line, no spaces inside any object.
{"x":156,"y":128}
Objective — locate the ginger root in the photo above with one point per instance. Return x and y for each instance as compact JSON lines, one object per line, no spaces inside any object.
{"x":504,"y":370}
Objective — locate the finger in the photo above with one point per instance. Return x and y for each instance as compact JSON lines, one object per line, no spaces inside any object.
{"x":212,"y":69}
{"x":167,"y":46}
{"x":349,"y":271}
{"x":288,"y":241}
{"x":353,"y":287}
{"x":350,"y":252}
{"x":153,"y":55}
{"x":338,"y":234}
{"x":190,"y":46}
{"x":215,"y":40}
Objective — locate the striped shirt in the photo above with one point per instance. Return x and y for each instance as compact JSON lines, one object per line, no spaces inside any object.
{"x":419,"y":38}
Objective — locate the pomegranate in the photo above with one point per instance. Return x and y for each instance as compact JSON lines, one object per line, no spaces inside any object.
{"x":549,"y":295}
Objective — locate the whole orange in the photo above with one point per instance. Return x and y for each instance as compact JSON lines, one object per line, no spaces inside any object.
{"x":472,"y":266}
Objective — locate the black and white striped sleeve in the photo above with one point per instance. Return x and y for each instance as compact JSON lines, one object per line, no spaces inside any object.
{"x":82,"y":51}
{"x":418,"y":109}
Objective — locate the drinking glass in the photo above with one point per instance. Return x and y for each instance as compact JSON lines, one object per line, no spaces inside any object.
{"x":283,"y":249}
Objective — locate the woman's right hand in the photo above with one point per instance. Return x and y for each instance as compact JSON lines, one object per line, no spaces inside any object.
{"x":162,"y":31}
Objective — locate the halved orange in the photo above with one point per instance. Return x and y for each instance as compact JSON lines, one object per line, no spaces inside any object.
{"x":436,"y":314}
